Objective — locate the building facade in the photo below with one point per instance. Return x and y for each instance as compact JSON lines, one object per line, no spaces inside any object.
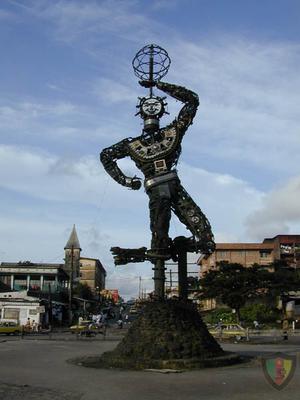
{"x":285,"y":248}
{"x":279,"y":248}
{"x":92,"y":273}
{"x":19,"y":307}
{"x":33,"y":276}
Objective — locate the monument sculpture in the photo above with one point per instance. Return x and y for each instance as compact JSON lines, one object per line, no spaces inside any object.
{"x":156,"y":153}
{"x":168,"y":333}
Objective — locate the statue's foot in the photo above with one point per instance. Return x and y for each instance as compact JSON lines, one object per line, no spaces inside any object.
{"x":205,"y":247}
{"x":194,"y":245}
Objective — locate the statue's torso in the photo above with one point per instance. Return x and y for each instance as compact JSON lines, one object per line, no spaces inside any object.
{"x":157,"y":157}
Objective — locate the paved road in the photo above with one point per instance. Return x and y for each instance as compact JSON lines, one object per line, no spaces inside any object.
{"x":37,"y":369}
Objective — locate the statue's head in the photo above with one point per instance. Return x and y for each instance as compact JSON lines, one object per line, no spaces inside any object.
{"x":151,"y":108}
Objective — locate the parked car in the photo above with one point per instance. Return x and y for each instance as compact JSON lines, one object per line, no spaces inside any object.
{"x":235,"y":331}
{"x":10,"y":328}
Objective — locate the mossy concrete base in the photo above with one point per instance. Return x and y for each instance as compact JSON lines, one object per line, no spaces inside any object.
{"x":226,"y":359}
{"x":167,"y":334}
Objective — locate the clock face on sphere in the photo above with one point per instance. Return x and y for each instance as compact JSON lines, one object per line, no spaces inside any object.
{"x":152,"y":106}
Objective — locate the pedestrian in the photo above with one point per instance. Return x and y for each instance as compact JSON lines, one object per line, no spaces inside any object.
{"x":120,"y":322}
{"x":285,"y":335}
{"x":98,"y":319}
{"x":34,"y":326}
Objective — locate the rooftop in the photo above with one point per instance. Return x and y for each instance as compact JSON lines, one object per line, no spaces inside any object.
{"x":244,"y":246}
{"x":73,"y":242}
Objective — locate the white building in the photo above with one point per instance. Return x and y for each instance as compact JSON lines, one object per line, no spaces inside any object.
{"x":17,"y":306}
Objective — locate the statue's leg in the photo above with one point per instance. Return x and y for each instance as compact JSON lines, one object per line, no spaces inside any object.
{"x":160,"y":215}
{"x":193,"y":218}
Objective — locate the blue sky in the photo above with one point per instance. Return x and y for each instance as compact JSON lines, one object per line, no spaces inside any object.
{"x":68,"y":91}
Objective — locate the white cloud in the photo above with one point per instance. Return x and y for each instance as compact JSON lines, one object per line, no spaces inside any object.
{"x":49,"y":177}
{"x":121,"y":215}
{"x":225,"y":200}
{"x":75,"y":20}
{"x":249,"y":96}
{"x":164,"y":4}
{"x":279,"y":212}
{"x":15,"y":115}
{"x":114,"y":92}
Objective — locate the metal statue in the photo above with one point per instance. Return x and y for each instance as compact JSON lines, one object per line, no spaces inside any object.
{"x":156,"y":152}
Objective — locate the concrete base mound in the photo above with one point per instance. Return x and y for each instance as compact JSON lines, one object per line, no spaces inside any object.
{"x":167,"y":334}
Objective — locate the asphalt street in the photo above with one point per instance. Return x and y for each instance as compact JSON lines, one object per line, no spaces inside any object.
{"x":38,"y":369}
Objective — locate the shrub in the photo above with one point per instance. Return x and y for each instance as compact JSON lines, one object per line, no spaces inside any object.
{"x":262,"y":313}
{"x":223,"y":314}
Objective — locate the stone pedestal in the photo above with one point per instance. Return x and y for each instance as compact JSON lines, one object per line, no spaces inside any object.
{"x":167,"y":334}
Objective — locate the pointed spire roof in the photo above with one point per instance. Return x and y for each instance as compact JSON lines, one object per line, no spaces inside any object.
{"x":73,"y":241}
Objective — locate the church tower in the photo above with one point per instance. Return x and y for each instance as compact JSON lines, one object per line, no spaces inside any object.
{"x":72,"y":255}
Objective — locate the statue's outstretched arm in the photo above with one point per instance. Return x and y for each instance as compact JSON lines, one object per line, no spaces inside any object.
{"x":190,"y":100}
{"x":109,"y":157}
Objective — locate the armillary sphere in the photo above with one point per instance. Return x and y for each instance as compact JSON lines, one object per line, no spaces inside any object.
{"x":151,"y":63}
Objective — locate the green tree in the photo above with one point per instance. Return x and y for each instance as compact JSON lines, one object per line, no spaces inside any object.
{"x":263,"y":313}
{"x":285,"y":279}
{"x":220,"y":314}
{"x":193,"y":283}
{"x":234,"y":285}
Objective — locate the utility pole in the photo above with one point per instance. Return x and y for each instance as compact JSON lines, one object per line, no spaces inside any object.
{"x":140,"y":285}
{"x":71,"y":284}
{"x":50,"y":306}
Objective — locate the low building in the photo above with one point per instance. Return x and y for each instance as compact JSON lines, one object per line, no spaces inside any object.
{"x":279,"y":248}
{"x":285,"y":248}
{"x":18,"y":307}
{"x":245,"y":254}
{"x":39,"y":277}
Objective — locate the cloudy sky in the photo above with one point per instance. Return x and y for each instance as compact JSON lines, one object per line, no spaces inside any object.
{"x":68,"y":91}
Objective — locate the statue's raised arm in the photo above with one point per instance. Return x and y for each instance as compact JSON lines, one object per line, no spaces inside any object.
{"x":186,"y":96}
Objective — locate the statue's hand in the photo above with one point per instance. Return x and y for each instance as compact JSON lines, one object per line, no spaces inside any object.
{"x":136,"y":183}
{"x":147,"y":84}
